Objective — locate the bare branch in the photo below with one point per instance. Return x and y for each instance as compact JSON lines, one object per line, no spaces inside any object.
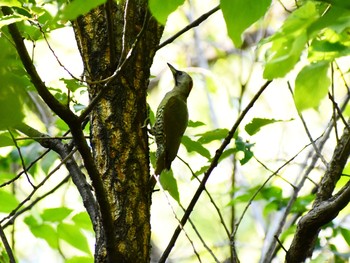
{"x":326,"y":207}
{"x":21,"y":157}
{"x":7,"y":245}
{"x":195,"y":23}
{"x":213,"y":164}
{"x":32,"y":204}
{"x":77,"y":176}
{"x":62,"y":111}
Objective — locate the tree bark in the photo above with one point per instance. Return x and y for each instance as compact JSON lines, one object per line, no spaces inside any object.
{"x":119,"y":142}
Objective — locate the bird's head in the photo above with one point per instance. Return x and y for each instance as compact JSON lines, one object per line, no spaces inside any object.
{"x":183,"y":81}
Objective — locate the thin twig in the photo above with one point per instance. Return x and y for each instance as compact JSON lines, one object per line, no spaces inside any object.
{"x":37,"y":200}
{"x":21,"y":157}
{"x":195,"y":23}
{"x":340,"y":114}
{"x":222,"y":221}
{"x":38,"y":186}
{"x":213,"y":164}
{"x":317,"y":150}
{"x":22,"y":172}
{"x":270,"y":251}
{"x":263,"y":185}
{"x":176,"y":217}
{"x":54,"y":53}
{"x":7,"y":245}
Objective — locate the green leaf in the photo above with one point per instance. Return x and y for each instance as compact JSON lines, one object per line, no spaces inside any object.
{"x":73,"y":236}
{"x":245,"y":148}
{"x":169,"y":183}
{"x":286,"y":53}
{"x":82,"y":220}
{"x":80,"y":260}
{"x":241,"y":14}
{"x":217,"y":134}
{"x":55,"y":214}
{"x":290,"y":41}
{"x":79,"y":7}
{"x":254,"y":126}
{"x":10,"y":19}
{"x":6,"y":176}
{"x":321,"y":50}
{"x":5,"y":140}
{"x":193,"y":146}
{"x":8,"y":201}
{"x":195,"y":124}
{"x":311,"y":85}
{"x":301,"y":203}
{"x":10,"y":3}
{"x":201,"y":170}
{"x":161,"y":9}
{"x":346,"y":235}
{"x":72,"y":84}
{"x":227,"y":153}
{"x":11,"y":104}
{"x":44,"y":231}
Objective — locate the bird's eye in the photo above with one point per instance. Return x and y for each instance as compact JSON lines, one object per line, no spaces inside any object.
{"x":180,"y":73}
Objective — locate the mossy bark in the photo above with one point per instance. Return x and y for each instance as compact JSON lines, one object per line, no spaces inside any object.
{"x":119,"y":142}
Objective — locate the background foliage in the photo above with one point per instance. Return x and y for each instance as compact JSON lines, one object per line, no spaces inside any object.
{"x":265,"y":179}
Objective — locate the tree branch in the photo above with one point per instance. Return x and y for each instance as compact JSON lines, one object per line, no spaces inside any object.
{"x":213,"y":164}
{"x":77,"y":176}
{"x":62,"y":111}
{"x":74,"y":124}
{"x":6,"y":245}
{"x":326,"y":207}
{"x":195,"y":23}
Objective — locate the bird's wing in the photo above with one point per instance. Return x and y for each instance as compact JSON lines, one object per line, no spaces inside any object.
{"x":175,"y":123}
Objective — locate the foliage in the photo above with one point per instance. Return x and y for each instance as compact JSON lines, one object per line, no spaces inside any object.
{"x":264,"y":177}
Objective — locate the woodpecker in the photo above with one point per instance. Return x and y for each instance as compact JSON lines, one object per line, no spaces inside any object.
{"x":171,"y":120}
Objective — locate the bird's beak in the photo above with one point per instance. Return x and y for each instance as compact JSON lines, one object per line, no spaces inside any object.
{"x":173,"y":70}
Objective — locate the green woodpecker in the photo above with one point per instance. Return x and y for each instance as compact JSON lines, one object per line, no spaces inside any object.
{"x":171,"y":120}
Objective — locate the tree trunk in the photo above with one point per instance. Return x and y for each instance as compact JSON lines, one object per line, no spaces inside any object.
{"x":119,"y":142}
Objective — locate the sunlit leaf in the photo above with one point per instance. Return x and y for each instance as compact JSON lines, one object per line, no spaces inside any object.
{"x":301,"y":203}
{"x":169,"y":184}
{"x":5,"y":140}
{"x":311,"y":85}
{"x":194,"y":146}
{"x":256,"y":123}
{"x":324,"y":50}
{"x":11,"y":105}
{"x":8,"y":201}
{"x":73,"y":236}
{"x":194,"y":124}
{"x":346,"y":234}
{"x":83,"y":220}
{"x":72,"y":84}
{"x":241,"y":14}
{"x":10,"y":3}
{"x":227,"y":153}
{"x":201,"y":170}
{"x":161,"y":9}
{"x":55,"y":214}
{"x":286,"y":54}
{"x":79,"y":7}
{"x":245,"y":148}
{"x":217,"y":134}
{"x":44,"y":231}
{"x":289,"y":42}
{"x":77,"y":259}
{"x":10,"y":19}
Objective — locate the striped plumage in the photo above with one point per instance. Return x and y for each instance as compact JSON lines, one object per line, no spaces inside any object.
{"x":171,"y":120}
